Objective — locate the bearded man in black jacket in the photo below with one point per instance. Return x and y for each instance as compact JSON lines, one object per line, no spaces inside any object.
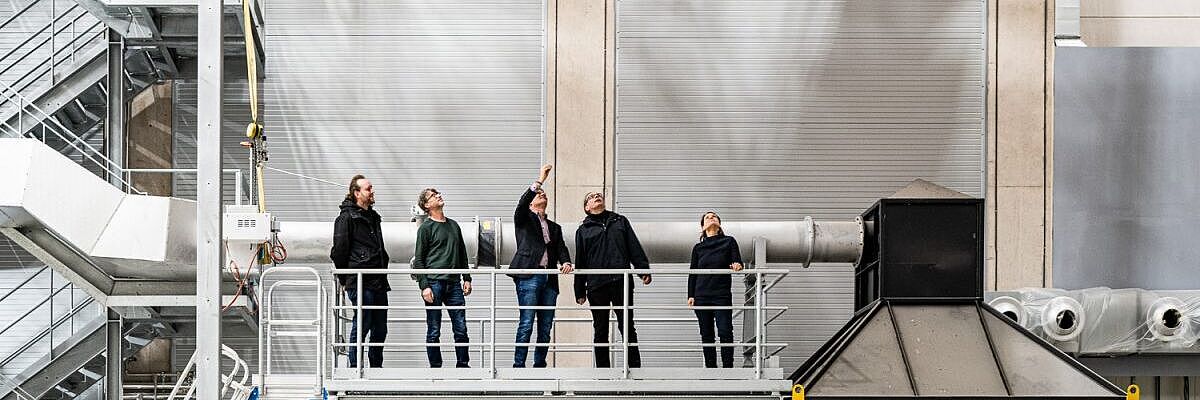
{"x":358,"y":244}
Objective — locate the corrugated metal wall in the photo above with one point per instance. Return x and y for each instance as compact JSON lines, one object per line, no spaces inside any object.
{"x":774,"y":110}
{"x":236,"y":111}
{"x":410,"y":93}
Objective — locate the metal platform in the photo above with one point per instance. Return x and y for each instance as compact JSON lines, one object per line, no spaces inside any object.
{"x":552,"y":380}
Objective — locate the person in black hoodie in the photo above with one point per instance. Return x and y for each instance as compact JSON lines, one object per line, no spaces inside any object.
{"x":540,"y":245}
{"x":605,"y":240}
{"x":715,"y":251}
{"x":358,"y":244}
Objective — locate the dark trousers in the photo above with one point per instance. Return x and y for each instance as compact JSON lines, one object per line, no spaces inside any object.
{"x":533,"y":291}
{"x":610,"y":295}
{"x":446,"y":293}
{"x":374,"y":324}
{"x":723,"y":319}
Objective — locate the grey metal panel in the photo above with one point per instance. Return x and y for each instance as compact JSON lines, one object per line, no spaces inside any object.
{"x":1125,"y":142}
{"x":780,"y":110}
{"x":928,"y":332}
{"x":236,"y":115}
{"x":1026,"y":364}
{"x":870,"y":365}
{"x":445,"y":94}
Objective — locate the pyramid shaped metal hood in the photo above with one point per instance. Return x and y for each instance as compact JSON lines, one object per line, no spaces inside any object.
{"x":922,"y":329}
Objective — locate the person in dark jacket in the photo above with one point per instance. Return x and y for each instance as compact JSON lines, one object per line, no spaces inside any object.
{"x":540,"y":245}
{"x":605,"y":240}
{"x":440,"y":246}
{"x":358,"y":244}
{"x":715,"y":251}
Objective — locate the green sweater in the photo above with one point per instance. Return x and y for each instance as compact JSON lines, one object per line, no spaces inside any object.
{"x":439,"y":246}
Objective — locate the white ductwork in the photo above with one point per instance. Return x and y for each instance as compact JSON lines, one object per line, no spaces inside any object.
{"x":145,"y":237}
{"x":1067,"y":27}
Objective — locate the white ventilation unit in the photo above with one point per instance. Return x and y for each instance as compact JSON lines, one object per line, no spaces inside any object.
{"x":246,"y":224}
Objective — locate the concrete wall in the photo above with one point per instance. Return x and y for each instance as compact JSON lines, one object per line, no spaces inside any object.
{"x":150,"y":138}
{"x":1140,"y":23}
{"x":1020,"y":143}
{"x":579,"y":130}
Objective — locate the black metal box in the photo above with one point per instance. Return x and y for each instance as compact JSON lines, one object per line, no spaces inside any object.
{"x":924,"y":249}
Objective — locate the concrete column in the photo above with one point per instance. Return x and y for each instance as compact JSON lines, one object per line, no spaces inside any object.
{"x":150,"y":141}
{"x":1136,"y":23}
{"x":579,"y":134}
{"x":1020,"y":143}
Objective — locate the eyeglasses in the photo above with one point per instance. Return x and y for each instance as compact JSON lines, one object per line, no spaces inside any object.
{"x":594,"y":196}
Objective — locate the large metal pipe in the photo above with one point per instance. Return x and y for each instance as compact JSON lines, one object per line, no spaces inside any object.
{"x":798,"y":242}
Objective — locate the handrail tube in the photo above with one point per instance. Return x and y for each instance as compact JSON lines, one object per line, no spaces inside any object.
{"x":38,"y":337}
{"x":19,"y":286}
{"x":640,"y":307}
{"x":18,"y":14}
{"x":267,"y":313}
{"x":551,"y":344}
{"x":31,"y":310}
{"x":597,"y":271}
{"x":38,"y":68}
{"x":36,"y":34}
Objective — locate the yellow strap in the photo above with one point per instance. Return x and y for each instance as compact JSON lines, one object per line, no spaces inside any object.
{"x":262,"y":193}
{"x":255,"y":129}
{"x":251,"y":62}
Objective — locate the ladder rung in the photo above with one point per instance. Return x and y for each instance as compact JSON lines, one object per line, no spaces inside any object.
{"x":296,"y":334}
{"x":292,"y":322}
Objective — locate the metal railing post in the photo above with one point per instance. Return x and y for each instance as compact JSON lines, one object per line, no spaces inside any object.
{"x":50,"y":321}
{"x":237,"y":187}
{"x":358,"y":323}
{"x":627,"y":295}
{"x":758,"y":324}
{"x":492,"y":318}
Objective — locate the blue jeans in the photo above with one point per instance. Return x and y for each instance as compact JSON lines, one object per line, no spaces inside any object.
{"x":533,"y":291}
{"x":446,"y":293}
{"x":374,"y":323}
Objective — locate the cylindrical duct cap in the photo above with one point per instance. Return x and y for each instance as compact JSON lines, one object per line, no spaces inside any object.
{"x":1012,"y":308}
{"x":1062,"y":318}
{"x":1167,"y":320}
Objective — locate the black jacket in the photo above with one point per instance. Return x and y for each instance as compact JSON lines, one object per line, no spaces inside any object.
{"x":716,"y":252}
{"x":531,"y":245}
{"x":605,"y":241}
{"x":358,"y":244}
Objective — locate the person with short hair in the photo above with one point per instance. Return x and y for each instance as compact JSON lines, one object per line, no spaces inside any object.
{"x":440,"y":246}
{"x":605,"y":240}
{"x":540,"y":245}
